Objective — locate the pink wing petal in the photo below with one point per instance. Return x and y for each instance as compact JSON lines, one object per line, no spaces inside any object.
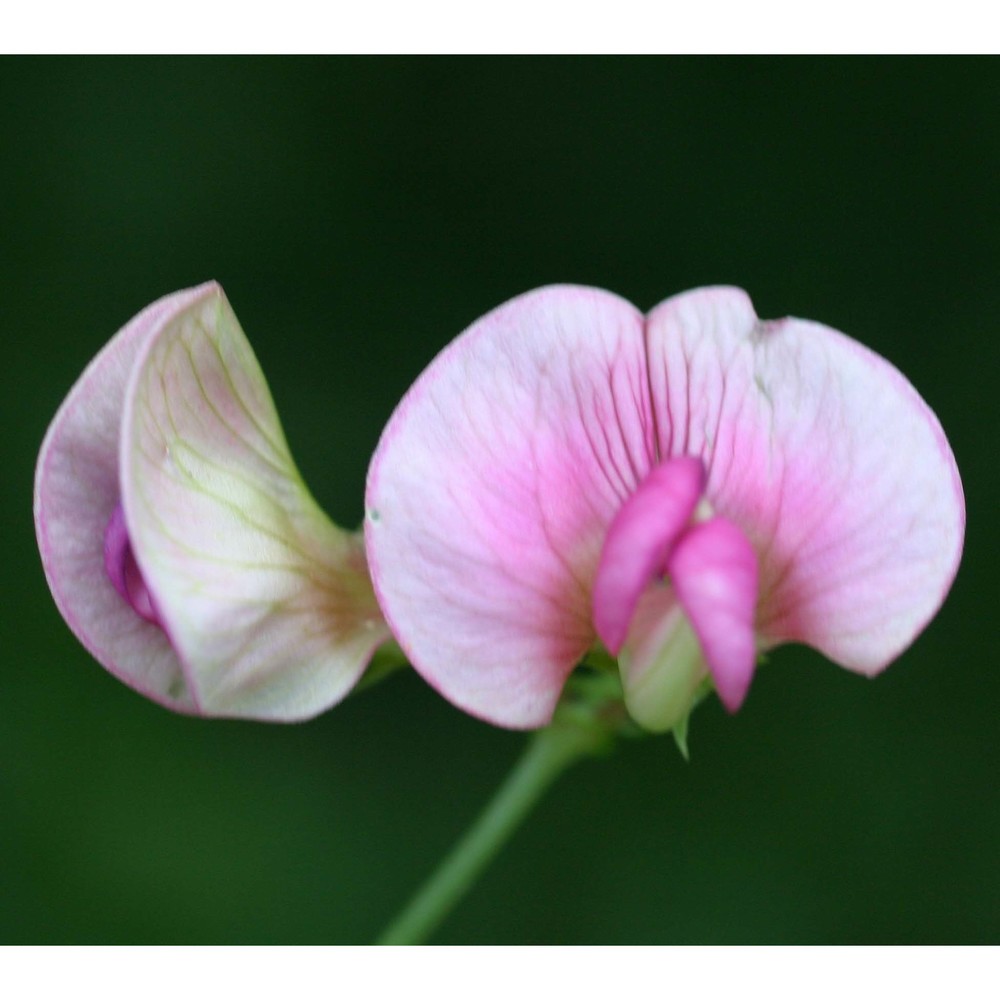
{"x":713,"y":570}
{"x":638,"y":542}
{"x":268,"y":604}
{"x":76,"y":493}
{"x":826,"y":458}
{"x":492,"y":488}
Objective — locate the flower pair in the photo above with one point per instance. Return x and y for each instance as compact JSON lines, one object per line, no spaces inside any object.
{"x":689,"y":488}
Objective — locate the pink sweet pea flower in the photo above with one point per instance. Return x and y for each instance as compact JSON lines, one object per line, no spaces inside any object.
{"x":178,"y":538}
{"x":691,"y":487}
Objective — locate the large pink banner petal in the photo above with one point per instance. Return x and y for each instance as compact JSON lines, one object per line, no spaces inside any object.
{"x":491,"y":491}
{"x":826,"y":458}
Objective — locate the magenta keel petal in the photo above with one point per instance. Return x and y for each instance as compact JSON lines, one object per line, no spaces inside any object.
{"x":124,"y":573}
{"x":640,"y":539}
{"x":713,"y":570}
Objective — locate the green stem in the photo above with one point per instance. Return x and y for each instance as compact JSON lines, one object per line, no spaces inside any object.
{"x":549,"y":753}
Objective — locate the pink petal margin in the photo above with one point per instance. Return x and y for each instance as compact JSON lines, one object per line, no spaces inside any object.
{"x":77,"y":491}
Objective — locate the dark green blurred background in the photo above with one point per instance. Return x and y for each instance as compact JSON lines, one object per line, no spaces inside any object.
{"x":360,"y":213}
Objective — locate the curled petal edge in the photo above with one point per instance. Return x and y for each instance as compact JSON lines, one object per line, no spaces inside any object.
{"x":89,"y":452}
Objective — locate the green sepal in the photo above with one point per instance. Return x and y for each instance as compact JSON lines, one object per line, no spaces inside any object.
{"x":680,"y":731}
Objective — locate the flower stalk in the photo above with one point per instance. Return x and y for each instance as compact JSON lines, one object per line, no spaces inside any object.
{"x":576,"y":732}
